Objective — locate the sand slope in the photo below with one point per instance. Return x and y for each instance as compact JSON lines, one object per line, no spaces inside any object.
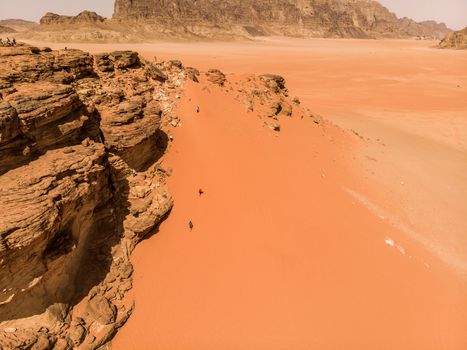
{"x":280,"y":256}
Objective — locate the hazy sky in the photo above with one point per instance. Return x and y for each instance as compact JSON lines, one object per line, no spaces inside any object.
{"x":452,"y":12}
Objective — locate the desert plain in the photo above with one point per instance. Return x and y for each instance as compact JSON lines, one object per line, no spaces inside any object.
{"x":346,"y":234}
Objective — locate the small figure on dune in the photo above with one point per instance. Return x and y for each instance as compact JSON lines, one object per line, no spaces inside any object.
{"x":200,"y":191}
{"x":197,"y":109}
{"x":14,"y":42}
{"x":190,"y":225}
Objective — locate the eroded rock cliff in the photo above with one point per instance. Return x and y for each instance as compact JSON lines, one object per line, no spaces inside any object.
{"x":328,"y":18}
{"x":80,"y":185}
{"x":455,"y":40}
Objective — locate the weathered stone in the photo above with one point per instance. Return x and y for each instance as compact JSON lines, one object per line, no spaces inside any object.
{"x":274,"y":82}
{"x":62,"y":344}
{"x":124,"y":59}
{"x":42,"y":343}
{"x":276,"y":127}
{"x":102,"y":310}
{"x":286,"y":108}
{"x":215,"y":76}
{"x":192,"y":74}
{"x":30,"y":64}
{"x":9,"y":122}
{"x":77,"y":334}
{"x":155,"y":73}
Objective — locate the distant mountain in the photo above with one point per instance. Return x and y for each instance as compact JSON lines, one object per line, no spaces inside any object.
{"x":18,"y":25}
{"x":4,"y":30}
{"x":145,"y":20}
{"x":455,"y":40}
{"x":85,"y":17}
{"x":324,"y":18}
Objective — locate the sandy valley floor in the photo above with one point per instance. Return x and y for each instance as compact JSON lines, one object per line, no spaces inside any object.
{"x":315,"y":239}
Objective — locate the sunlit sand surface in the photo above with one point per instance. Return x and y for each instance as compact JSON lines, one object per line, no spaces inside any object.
{"x":314,"y":238}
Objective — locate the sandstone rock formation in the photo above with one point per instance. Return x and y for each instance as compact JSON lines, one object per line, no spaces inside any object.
{"x":80,"y":185}
{"x":455,"y":40}
{"x":84,"y":17}
{"x":145,"y":20}
{"x":328,"y":18}
{"x":85,"y":27}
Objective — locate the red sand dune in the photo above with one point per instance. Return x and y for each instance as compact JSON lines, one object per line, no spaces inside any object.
{"x":280,"y":256}
{"x":313,"y":239}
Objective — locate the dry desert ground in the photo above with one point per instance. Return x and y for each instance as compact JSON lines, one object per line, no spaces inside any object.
{"x":343,"y":235}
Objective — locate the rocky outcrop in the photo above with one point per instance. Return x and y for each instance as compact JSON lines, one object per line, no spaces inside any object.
{"x":328,"y":18}
{"x":84,"y":27}
{"x":85,"y":17}
{"x":145,"y":20}
{"x":455,"y":40}
{"x":80,"y":184}
{"x":215,"y":76}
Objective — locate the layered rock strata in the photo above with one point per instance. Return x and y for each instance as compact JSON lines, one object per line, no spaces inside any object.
{"x":81,"y":183}
{"x":145,"y":20}
{"x":328,"y":18}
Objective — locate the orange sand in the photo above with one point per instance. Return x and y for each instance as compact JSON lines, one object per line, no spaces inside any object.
{"x":407,"y":99}
{"x":280,"y":257}
{"x":313,"y":239}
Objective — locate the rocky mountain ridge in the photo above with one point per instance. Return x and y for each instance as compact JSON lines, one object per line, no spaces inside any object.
{"x":145,"y":20}
{"x":85,"y":17}
{"x":324,"y":18}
